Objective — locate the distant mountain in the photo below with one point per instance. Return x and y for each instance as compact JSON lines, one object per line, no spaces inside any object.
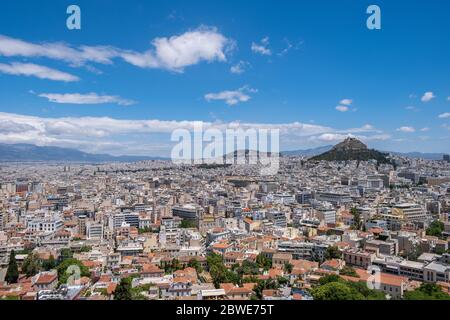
{"x":29,"y":152}
{"x":307,"y":152}
{"x":351,"y":149}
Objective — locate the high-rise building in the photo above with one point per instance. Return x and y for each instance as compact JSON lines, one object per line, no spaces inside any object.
{"x":82,"y":225}
{"x":446,"y":157}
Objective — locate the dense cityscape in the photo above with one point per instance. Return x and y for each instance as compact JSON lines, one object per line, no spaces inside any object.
{"x":153,"y":230}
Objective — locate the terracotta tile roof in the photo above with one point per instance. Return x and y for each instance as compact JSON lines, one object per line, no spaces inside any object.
{"x":222,"y":245}
{"x":249,"y":285}
{"x":111,"y":288}
{"x":46,"y":278}
{"x":104,"y":278}
{"x":333,"y":263}
{"x":91,"y":264}
{"x":274,"y":273}
{"x":227,"y":287}
{"x":151,"y":268}
{"x":305,"y":264}
{"x":385,"y":278}
{"x":240,"y":290}
{"x":181,"y":280}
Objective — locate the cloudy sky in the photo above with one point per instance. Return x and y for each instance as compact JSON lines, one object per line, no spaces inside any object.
{"x":137,"y":70}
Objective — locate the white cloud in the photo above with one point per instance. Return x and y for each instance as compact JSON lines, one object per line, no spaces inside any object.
{"x":344,"y":105}
{"x":174,"y":53}
{"x":335,"y":137}
{"x":428,"y":96}
{"x":289,"y":47}
{"x":342,"y":108}
{"x":11,"y":47}
{"x":364,"y":128}
{"x":239,"y":67}
{"x":425,"y":129}
{"x":231,"y":97}
{"x":149,"y":137}
{"x":89,"y":98}
{"x":262,"y":47}
{"x":444,"y":115}
{"x":412,"y":108}
{"x":406,"y":129}
{"x":34,"y":70}
{"x":178,"y":52}
{"x":346,"y":102}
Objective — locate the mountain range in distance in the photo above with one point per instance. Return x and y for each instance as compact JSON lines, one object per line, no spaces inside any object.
{"x":33,"y":153}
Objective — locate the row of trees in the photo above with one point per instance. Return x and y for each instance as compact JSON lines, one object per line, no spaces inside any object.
{"x":427,"y":291}
{"x":33,"y":265}
{"x":30,"y":267}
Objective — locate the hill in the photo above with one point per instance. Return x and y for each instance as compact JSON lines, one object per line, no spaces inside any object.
{"x":351,"y":149}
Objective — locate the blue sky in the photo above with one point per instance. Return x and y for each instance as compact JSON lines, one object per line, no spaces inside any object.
{"x":311,"y":66}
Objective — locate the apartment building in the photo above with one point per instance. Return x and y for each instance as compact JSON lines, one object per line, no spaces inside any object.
{"x":358,"y":258}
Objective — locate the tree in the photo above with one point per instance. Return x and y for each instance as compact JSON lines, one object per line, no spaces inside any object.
{"x":288,"y":267}
{"x":123,"y":290}
{"x":144,"y":230}
{"x":427,"y":291}
{"x":336,"y":291}
{"x":264,"y":285}
{"x":333,"y":287}
{"x":187,"y":224}
{"x":86,"y":249}
{"x":219,"y":273}
{"x":348,"y":271}
{"x":356,"y":219}
{"x":330,"y":278}
{"x":49,"y":264}
{"x":65,"y":254}
{"x":332,"y":253}
{"x":263,"y":262}
{"x":12,"y":273}
{"x":32,"y":265}
{"x":369,"y":294}
{"x":282,"y":281}
{"x":435,"y":229}
{"x":64,"y":274}
{"x":248,"y":268}
{"x":193,"y":263}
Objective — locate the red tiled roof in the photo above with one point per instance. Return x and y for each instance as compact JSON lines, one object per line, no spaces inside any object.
{"x":46,"y":279}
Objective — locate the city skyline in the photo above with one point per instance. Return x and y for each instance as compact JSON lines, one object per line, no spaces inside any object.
{"x":139,"y":70}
